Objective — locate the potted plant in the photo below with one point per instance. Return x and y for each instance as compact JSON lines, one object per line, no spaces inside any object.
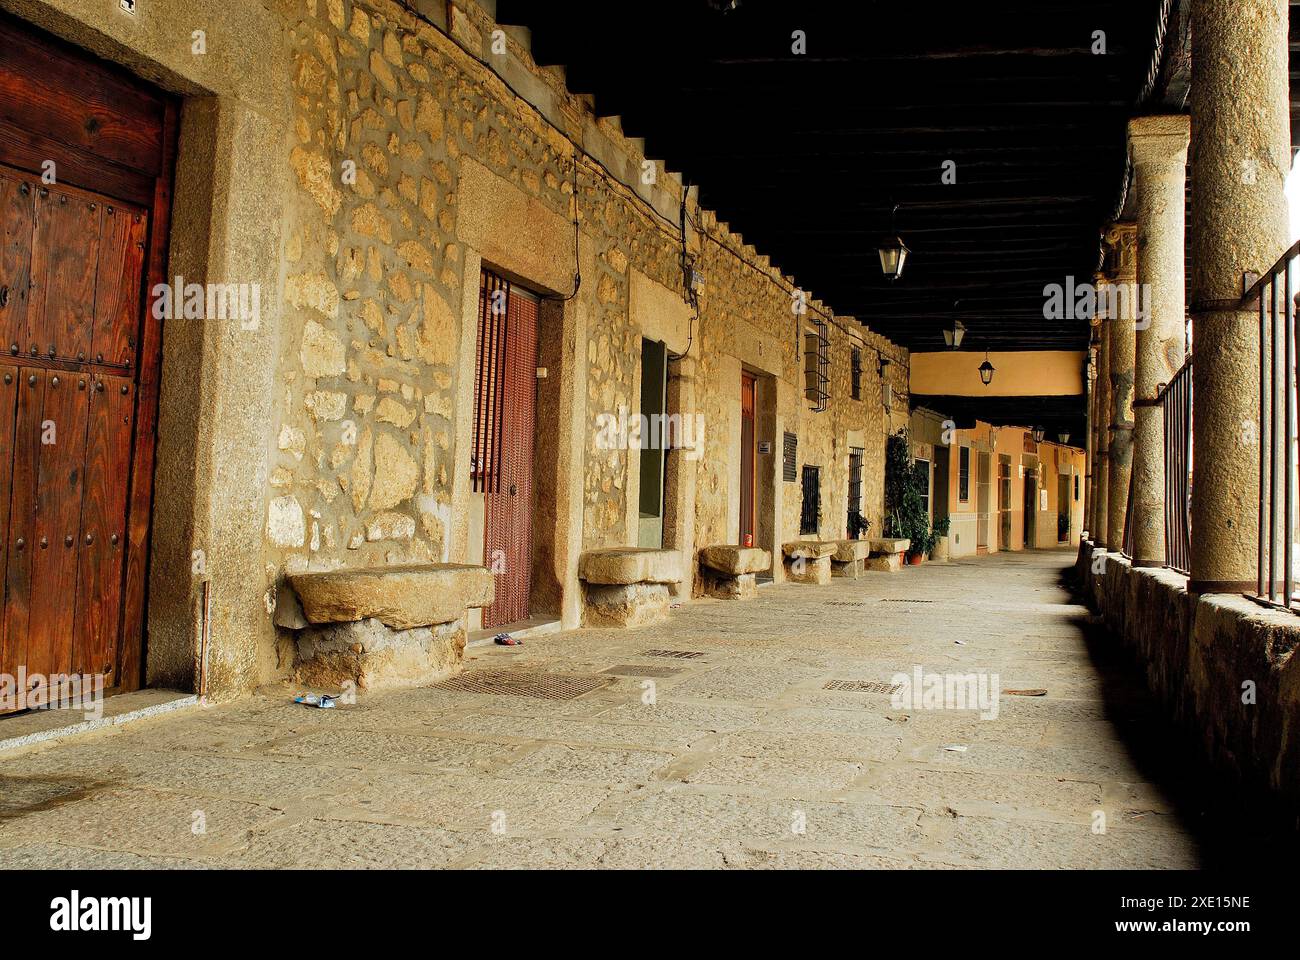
{"x":939,"y":549}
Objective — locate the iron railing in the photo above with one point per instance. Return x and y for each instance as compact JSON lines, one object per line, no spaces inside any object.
{"x":1272,"y":296}
{"x":1175,"y":399}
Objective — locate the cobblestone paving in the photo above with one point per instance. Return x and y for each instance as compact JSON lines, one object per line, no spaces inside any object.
{"x":743,"y":759}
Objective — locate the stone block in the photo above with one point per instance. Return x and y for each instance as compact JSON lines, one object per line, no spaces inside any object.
{"x":846,"y":551}
{"x":890,"y":545}
{"x":885,"y":562}
{"x":735,"y":560}
{"x":743,"y":586}
{"x":400,"y":597}
{"x":808,"y":549}
{"x":851,"y":569}
{"x":372,"y":655}
{"x":624,"y":604}
{"x":814,"y":570}
{"x":629,"y":565}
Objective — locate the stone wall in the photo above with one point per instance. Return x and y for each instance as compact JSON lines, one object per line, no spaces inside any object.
{"x":362,"y":473}
{"x":361,"y":162}
{"x":1223,"y":666}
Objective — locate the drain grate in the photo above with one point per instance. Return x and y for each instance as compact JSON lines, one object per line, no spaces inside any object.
{"x":846,"y":603}
{"x":863,"y":686}
{"x":632,"y":670}
{"x":904,"y":600}
{"x":674,"y":654}
{"x":520,"y":683}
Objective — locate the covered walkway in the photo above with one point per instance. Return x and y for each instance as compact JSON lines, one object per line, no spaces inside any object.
{"x":744,"y":759}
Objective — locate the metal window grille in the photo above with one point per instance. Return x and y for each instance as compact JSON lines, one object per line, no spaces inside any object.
{"x":856,"y":373}
{"x":812,"y":501}
{"x":789,"y":459}
{"x":855,"y":491}
{"x":493,"y":326}
{"x":963,"y":475}
{"x":817,"y":361}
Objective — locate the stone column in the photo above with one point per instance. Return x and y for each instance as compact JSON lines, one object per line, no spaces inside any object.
{"x":1159,"y":146}
{"x":1101,"y":457}
{"x":1122,"y":241}
{"x":1240,"y":152}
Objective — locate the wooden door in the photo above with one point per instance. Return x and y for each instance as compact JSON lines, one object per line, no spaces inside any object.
{"x":86,"y":153}
{"x":748,"y":459}
{"x":505,"y":428}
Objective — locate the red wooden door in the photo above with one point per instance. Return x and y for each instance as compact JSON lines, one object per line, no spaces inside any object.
{"x":747,"y":459}
{"x":66,"y":424}
{"x":505,"y":421}
{"x":86,"y":155}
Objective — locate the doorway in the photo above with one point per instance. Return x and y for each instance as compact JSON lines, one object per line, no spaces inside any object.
{"x":82,"y":237}
{"x":1063,"y":508}
{"x":1031,"y":507}
{"x":505,"y":395}
{"x":654,"y":441}
{"x":982,"y":504}
{"x":748,"y":458}
{"x":1004,"y":500}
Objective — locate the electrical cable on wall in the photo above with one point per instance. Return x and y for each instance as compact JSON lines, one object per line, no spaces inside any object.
{"x":577,"y":249}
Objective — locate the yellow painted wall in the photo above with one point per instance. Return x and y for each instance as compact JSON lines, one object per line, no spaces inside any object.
{"x":1030,"y":374}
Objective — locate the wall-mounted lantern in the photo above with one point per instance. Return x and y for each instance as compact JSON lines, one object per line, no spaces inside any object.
{"x":1039,"y":433}
{"x":954,"y":336}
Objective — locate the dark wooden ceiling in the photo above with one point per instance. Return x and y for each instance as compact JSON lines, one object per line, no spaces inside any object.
{"x":805,"y":155}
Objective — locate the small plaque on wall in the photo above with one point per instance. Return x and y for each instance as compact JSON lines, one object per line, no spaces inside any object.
{"x":765,"y":448}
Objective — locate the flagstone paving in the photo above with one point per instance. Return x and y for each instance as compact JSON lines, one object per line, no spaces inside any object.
{"x":741,"y":758}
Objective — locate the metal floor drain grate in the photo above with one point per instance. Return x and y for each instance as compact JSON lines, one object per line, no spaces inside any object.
{"x":847,"y":603}
{"x":904,"y":600}
{"x":519,"y":683}
{"x":863,"y":686}
{"x":674,"y":654}
{"x":632,"y":670}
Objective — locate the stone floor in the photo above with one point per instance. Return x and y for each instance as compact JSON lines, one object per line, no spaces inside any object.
{"x":743,"y":759}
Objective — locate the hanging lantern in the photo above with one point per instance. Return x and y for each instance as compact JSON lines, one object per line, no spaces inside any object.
{"x":954,"y":336}
{"x":893,"y":252}
{"x":986,"y":370}
{"x":1063,"y":438}
{"x":1039,"y":433}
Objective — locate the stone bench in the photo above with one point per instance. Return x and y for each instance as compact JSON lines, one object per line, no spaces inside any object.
{"x":808,"y":561}
{"x":729,"y":572}
{"x":627,"y":586}
{"x":385,"y":626}
{"x":849,"y":558}
{"x":887,"y":554}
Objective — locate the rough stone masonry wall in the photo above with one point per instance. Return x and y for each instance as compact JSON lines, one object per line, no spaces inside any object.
{"x":386,"y":109}
{"x":1222,"y":666}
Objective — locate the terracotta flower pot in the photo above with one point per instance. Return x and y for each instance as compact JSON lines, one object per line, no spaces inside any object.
{"x":915,"y":559}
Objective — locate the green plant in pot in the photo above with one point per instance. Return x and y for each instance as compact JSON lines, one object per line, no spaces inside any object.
{"x":905,"y":487}
{"x":939,"y":535}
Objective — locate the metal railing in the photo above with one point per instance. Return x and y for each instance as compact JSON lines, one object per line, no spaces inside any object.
{"x":1175,"y":399}
{"x":1273,"y":296}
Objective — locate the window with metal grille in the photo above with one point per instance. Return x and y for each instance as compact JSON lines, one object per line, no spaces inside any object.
{"x":817,"y":361}
{"x":963,"y":475}
{"x":856,"y":523}
{"x":493,"y":326}
{"x":812,"y":500}
{"x":1076,"y":487}
{"x":789,"y":470}
{"x":855,"y":372}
